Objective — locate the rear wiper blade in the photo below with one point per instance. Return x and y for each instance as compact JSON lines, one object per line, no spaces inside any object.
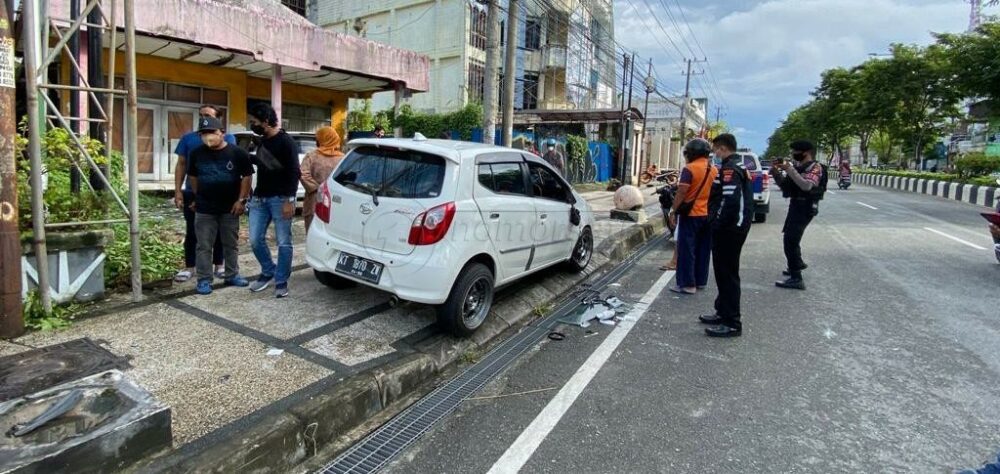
{"x":366,"y":188}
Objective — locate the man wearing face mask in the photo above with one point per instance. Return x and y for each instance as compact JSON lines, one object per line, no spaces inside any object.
{"x":184,"y":198}
{"x":803,"y":183}
{"x":277,"y":161}
{"x":554,"y":158}
{"x":219,"y":174}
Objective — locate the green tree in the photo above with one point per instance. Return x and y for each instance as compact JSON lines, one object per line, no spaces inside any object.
{"x":361,"y":119}
{"x":925,"y":94}
{"x":975,"y":62}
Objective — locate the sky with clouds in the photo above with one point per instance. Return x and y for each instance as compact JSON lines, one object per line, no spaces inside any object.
{"x":765,"y":56}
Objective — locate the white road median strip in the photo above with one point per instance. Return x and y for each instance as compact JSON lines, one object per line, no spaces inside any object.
{"x":518,"y":454}
{"x":869,"y":206}
{"x":956,"y":239}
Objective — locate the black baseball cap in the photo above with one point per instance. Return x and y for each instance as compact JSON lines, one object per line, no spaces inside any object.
{"x":209,"y":124}
{"x":802,"y":146}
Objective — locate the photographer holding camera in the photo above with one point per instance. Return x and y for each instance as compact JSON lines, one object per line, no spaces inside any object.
{"x":803,"y":183}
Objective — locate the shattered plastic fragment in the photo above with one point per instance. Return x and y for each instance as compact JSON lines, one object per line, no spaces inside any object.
{"x":275,"y":351}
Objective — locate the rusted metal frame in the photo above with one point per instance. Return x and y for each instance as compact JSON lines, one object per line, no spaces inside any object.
{"x":72,"y":30}
{"x":86,"y":84}
{"x":83,"y":151}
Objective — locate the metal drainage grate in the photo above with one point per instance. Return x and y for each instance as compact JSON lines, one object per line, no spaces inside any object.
{"x":375,"y":451}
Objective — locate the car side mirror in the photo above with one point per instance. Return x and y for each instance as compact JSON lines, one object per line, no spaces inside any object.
{"x":574,"y":216}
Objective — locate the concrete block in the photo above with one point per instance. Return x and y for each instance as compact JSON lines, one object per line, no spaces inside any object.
{"x":491,"y":328}
{"x":444,"y":349}
{"x":399,"y":378}
{"x":114,"y":424}
{"x":338,"y":411}
{"x":274,"y":444}
{"x":512,"y":309}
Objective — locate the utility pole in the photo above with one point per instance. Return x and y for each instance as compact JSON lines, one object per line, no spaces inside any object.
{"x":490,"y":96}
{"x":718,"y":113}
{"x":687,"y":98}
{"x":621,"y":146}
{"x":11,"y":320}
{"x":650,"y":84}
{"x":509,"y":69}
{"x":627,"y":133}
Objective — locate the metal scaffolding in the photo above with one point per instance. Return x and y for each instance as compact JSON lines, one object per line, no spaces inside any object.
{"x":99,"y":17}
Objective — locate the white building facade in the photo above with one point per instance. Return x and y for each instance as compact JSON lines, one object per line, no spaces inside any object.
{"x":565,"y":51}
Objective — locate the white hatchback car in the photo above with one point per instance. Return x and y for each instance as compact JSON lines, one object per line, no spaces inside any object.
{"x":444,"y":223}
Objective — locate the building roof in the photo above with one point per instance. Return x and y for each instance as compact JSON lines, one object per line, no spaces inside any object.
{"x":525,"y":117}
{"x":253,"y":35}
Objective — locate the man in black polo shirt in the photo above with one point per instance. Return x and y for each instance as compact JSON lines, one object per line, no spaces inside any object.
{"x":273,"y":200}
{"x":219,"y":174}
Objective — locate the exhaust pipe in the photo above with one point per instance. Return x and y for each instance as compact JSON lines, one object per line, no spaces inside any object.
{"x":393,"y":301}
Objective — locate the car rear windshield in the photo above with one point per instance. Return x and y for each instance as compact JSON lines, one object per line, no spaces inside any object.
{"x":392,"y":173}
{"x":749,"y":162}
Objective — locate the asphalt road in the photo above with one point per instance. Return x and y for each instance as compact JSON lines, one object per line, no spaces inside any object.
{"x":890,"y":362}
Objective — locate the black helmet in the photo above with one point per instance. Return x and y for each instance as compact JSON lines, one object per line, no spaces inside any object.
{"x":697,"y":148}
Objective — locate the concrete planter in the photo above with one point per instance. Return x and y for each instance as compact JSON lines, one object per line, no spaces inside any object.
{"x":76,"y":265}
{"x":987,"y":196}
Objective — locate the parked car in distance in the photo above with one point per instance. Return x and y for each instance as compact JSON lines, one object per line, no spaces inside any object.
{"x":444,"y":223}
{"x":761,"y":183}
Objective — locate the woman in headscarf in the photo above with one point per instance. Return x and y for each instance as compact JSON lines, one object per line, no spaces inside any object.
{"x":317,"y":166}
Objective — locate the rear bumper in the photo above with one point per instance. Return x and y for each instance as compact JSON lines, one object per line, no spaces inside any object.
{"x":762,"y":203}
{"x":423,"y":276}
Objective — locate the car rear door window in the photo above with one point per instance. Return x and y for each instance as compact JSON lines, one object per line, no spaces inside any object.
{"x":749,"y":163}
{"x":392,"y":173}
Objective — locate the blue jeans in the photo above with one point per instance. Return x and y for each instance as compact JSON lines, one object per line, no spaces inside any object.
{"x":694,"y":251}
{"x":262,"y":212}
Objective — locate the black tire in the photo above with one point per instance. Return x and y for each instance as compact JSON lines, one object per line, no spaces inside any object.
{"x":468,"y":304}
{"x":760,"y":218}
{"x":333,"y":281}
{"x":582,"y":252}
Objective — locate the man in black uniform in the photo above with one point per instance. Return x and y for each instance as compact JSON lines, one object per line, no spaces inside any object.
{"x":730,"y":211}
{"x":801,"y":183}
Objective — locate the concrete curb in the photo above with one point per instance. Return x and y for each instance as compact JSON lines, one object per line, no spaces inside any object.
{"x":281,"y":441}
{"x":968,"y":193}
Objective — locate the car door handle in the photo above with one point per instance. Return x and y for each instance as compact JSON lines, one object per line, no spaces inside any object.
{"x":495,"y":215}
{"x":543,"y":216}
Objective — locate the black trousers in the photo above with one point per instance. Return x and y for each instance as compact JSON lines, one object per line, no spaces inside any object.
{"x":727,"y":246}
{"x":800,"y":214}
{"x":191,"y":237}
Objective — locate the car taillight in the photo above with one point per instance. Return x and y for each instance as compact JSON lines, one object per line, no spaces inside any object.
{"x":323,"y":204}
{"x":767,"y":179}
{"x":431,"y":226}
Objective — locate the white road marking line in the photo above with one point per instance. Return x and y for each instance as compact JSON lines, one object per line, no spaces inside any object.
{"x":956,"y":239}
{"x":518,"y":454}
{"x":867,"y":205}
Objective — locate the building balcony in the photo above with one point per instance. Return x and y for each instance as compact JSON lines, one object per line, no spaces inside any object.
{"x":554,"y":57}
